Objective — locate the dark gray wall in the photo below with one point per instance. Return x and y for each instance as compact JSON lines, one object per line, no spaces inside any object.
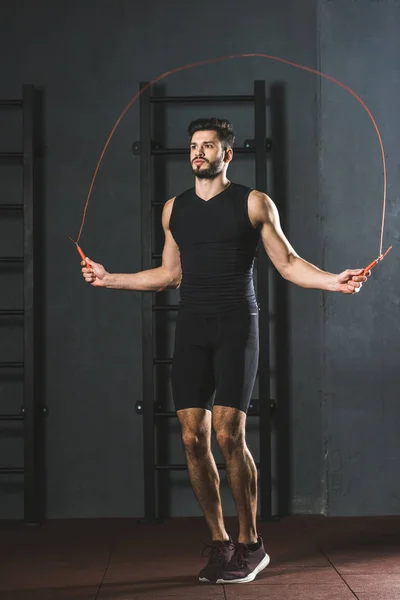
{"x":89,"y":59}
{"x":359,"y":44}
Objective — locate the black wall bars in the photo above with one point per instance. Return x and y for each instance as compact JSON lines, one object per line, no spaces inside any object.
{"x":30,"y":414}
{"x":261,"y":408}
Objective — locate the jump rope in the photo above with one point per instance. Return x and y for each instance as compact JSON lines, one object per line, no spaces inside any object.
{"x":372,"y":264}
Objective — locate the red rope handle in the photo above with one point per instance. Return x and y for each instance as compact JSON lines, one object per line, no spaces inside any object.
{"x":248,"y":55}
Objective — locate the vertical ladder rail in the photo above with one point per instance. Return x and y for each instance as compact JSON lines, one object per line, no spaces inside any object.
{"x":260,"y":136}
{"x":147,"y":308}
{"x":33,"y":469}
{"x":32,"y":492}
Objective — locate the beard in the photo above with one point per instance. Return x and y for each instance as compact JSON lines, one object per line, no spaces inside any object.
{"x":212,"y":171}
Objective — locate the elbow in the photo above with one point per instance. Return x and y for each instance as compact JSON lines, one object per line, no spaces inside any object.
{"x":286,"y":274}
{"x":169,"y":278}
{"x":177,"y":281}
{"x":174,"y":279}
{"x":286,"y":270}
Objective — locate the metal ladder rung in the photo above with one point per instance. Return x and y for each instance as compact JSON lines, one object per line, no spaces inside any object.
{"x":11,"y":103}
{"x":11,"y":417}
{"x":162,"y":361}
{"x":182,"y":151}
{"x":11,"y":365}
{"x":183,"y":467}
{"x":179,"y":467}
{"x":165,"y":307}
{"x":168,"y":414}
{"x":200,"y":99}
{"x":12,"y":157}
{"x":12,"y":470}
{"x":10,"y":260}
{"x":11,"y":207}
{"x":11,"y":312}
{"x":165,"y":414}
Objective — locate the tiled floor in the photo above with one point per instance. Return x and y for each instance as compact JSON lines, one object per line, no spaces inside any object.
{"x":312,"y":558}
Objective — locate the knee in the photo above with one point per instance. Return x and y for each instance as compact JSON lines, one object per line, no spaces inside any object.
{"x":230,"y":442}
{"x":196,"y":444}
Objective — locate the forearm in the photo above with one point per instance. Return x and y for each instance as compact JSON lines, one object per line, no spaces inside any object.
{"x":304,"y":274}
{"x":152,"y":280}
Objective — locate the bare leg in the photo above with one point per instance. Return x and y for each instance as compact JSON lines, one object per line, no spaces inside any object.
{"x":229,"y":424}
{"x":203,"y":473}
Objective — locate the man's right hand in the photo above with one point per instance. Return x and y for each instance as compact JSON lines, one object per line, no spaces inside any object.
{"x":96,"y":274}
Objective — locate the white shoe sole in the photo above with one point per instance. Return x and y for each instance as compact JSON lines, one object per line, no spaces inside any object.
{"x":260,"y":567}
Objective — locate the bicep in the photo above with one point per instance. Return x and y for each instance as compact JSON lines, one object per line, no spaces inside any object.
{"x":171,"y":258}
{"x":276,"y":244}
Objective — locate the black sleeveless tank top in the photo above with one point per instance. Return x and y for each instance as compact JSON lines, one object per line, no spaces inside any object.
{"x":217,"y":244}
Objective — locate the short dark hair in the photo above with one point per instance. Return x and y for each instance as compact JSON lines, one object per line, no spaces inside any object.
{"x":222,"y":127}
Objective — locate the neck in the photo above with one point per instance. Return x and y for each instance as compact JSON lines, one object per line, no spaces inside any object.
{"x":208,"y":188}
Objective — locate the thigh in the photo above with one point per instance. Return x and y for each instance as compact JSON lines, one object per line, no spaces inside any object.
{"x":192,"y":374}
{"x":236,"y":360}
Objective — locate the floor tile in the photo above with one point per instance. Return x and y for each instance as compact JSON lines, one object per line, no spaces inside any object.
{"x":288,"y":592}
{"x":67,"y":593}
{"x":364,"y":583}
{"x":141,"y":572}
{"x":301,"y":557}
{"x":374,"y":564}
{"x":31,"y":578}
{"x":378,"y":594}
{"x":298,"y":575}
{"x":366,"y":560}
{"x":173,"y":588}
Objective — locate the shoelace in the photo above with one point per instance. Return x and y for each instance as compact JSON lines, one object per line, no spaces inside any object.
{"x":241,"y":555}
{"x":215,"y":552}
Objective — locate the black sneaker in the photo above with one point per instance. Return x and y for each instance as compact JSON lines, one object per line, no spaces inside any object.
{"x":245,"y":564}
{"x":220,"y":553}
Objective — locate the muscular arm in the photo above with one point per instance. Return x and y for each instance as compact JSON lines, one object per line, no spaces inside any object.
{"x":264,"y":214}
{"x":169,"y":274}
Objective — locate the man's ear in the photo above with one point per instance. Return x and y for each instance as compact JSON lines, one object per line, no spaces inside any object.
{"x":228,"y":154}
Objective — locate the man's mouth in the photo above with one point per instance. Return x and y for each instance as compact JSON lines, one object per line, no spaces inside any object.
{"x":198,"y":161}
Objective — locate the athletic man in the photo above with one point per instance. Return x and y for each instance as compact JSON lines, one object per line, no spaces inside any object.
{"x":211,"y":234}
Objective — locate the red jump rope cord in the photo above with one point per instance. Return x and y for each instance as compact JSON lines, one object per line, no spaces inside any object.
{"x":248,"y":55}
